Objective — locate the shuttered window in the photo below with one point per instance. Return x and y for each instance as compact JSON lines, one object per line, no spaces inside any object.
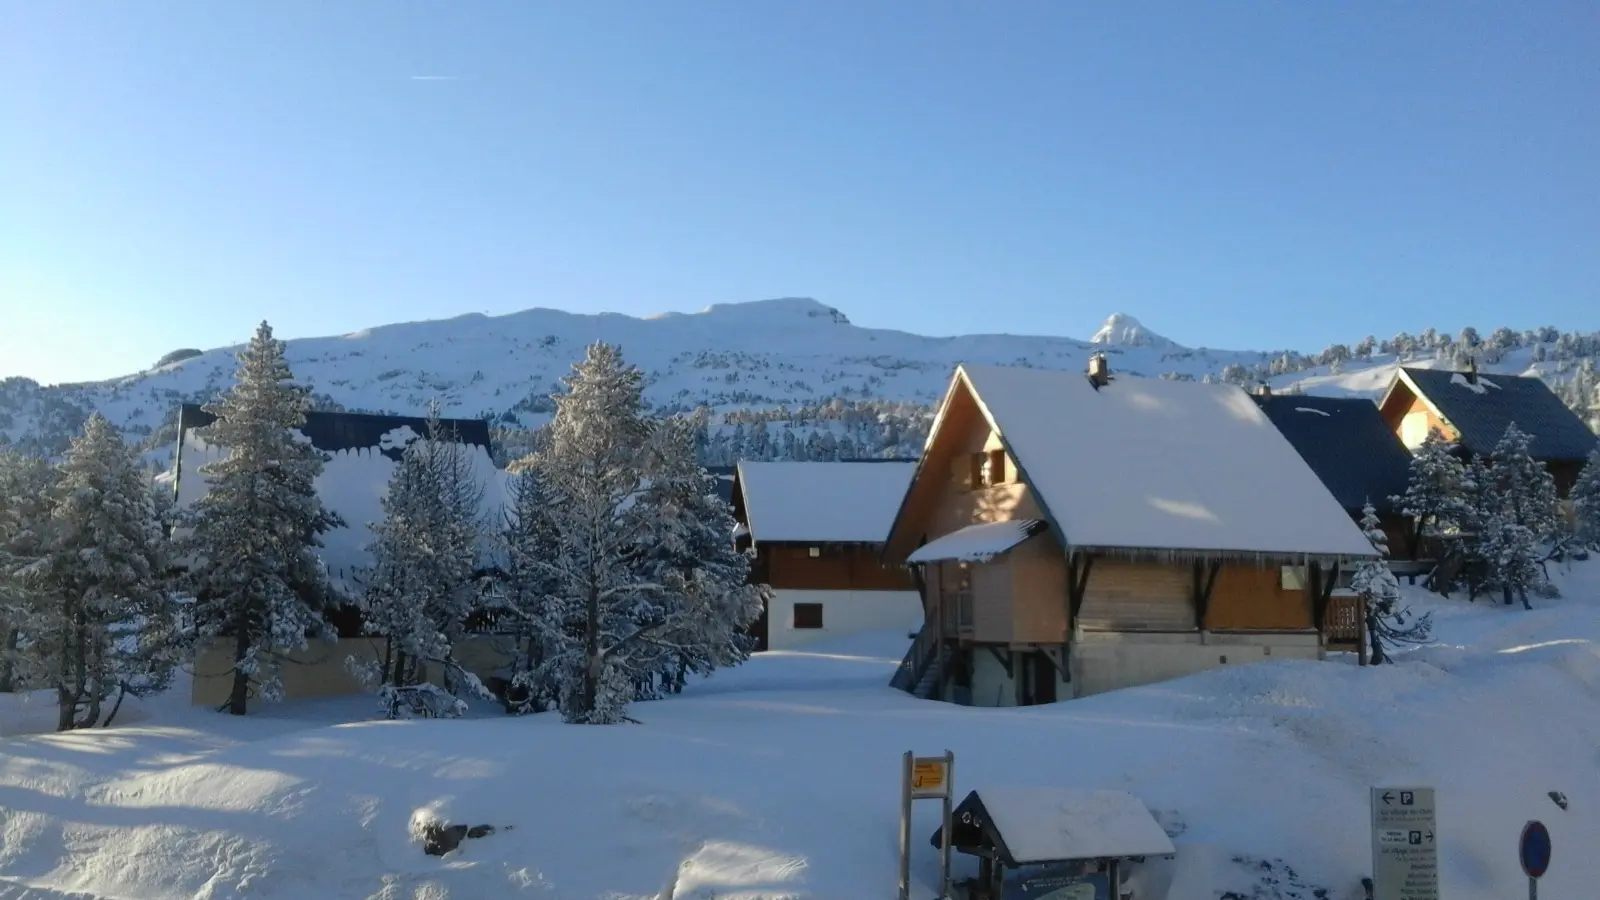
{"x":1128,"y":596}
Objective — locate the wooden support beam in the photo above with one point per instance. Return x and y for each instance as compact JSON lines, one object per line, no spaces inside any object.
{"x":1205,"y":581}
{"x":1005,"y":660}
{"x":1079,"y":583}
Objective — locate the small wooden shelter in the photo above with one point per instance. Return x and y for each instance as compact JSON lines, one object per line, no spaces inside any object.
{"x":1075,"y":534}
{"x":1052,"y":838}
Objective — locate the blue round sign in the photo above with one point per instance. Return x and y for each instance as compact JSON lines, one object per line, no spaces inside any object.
{"x":1534,"y":849}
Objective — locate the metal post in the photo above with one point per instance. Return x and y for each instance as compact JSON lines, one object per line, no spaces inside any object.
{"x":945,"y":836}
{"x":1533,"y":889}
{"x":905,"y":827}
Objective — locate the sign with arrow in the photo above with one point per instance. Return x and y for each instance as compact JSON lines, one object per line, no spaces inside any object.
{"x":1405,"y":853}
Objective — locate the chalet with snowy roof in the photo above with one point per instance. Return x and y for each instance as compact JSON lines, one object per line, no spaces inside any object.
{"x":1359,"y":458}
{"x":817,"y":530}
{"x":363,"y":451}
{"x":1073,"y":534}
{"x":1473,"y":410}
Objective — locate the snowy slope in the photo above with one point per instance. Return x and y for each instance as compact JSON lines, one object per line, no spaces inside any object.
{"x":778,"y":780}
{"x":792,"y":352}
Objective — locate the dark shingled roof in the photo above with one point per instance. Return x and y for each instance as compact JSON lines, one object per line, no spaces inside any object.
{"x":724,"y":476}
{"x":1482,"y":417}
{"x":332,"y":432}
{"x":1347,"y":443}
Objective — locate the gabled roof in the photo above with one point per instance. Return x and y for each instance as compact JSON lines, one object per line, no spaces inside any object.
{"x":1150,"y":464}
{"x":822,"y":502}
{"x":1347,"y":443}
{"x":1480,"y":411}
{"x":1033,"y":825}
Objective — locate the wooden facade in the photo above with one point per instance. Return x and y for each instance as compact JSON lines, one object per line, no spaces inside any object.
{"x":828,"y":567}
{"x":1027,"y":610}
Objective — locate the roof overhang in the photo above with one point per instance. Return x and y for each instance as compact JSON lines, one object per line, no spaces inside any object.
{"x":977,"y":543}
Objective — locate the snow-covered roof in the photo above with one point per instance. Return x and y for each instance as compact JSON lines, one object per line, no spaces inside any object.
{"x":1049,"y":824}
{"x":977,"y":543}
{"x":363,"y":453}
{"x":1143,"y":463}
{"x":834,"y":502}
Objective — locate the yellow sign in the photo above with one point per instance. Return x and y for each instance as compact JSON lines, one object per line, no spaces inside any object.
{"x":929,"y":777}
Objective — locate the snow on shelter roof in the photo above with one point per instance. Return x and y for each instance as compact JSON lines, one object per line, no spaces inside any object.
{"x":977,"y":543}
{"x":1044,"y":824}
{"x":834,"y":502}
{"x":1153,"y":464}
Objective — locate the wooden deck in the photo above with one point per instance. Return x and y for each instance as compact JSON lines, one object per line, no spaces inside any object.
{"x":1345,"y":627}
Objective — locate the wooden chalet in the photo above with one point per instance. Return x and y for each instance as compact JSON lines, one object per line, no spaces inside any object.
{"x":1355,"y":453}
{"x":1473,"y":410}
{"x":1073,"y":534}
{"x":817,"y":530}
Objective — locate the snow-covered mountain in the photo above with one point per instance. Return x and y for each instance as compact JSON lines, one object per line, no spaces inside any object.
{"x":787,"y":360}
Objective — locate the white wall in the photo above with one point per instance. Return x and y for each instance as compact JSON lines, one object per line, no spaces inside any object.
{"x":843,"y":612}
{"x":1106,"y":661}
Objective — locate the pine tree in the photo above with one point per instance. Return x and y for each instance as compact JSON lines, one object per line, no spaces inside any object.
{"x":1387,"y":624}
{"x":427,"y":550}
{"x":1586,"y":502}
{"x":103,"y":619}
{"x":1519,"y":514}
{"x":696,"y":559}
{"x":26,"y":485}
{"x":529,"y":540}
{"x":614,"y":602}
{"x":253,"y":564}
{"x":1433,"y":495}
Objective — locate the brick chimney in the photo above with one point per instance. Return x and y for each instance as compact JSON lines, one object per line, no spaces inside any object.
{"x":1263,"y":390}
{"x":1099,"y":371}
{"x":1472,"y":370}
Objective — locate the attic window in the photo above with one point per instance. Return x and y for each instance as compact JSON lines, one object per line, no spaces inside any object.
{"x":1293,"y":578}
{"x":988,"y":468}
{"x":814,"y":552}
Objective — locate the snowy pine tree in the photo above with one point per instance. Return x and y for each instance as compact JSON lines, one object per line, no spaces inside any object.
{"x":252,"y":556}
{"x":1586,"y":502}
{"x":696,"y":560}
{"x":1387,"y":624}
{"x":26,"y":485}
{"x":1433,"y":495}
{"x":1518,"y":515}
{"x":529,"y":541}
{"x":616,"y":602}
{"x":102,"y":619}
{"x":422,"y":589}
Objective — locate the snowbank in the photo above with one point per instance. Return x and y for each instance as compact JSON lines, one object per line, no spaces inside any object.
{"x":779,"y":779}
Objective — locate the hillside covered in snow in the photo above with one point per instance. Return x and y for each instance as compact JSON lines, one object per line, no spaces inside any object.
{"x":794,"y":370}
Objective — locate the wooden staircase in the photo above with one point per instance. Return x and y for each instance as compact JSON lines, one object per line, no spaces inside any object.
{"x":922,"y":669}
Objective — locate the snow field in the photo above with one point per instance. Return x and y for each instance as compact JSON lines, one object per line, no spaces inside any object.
{"x":779,"y":779}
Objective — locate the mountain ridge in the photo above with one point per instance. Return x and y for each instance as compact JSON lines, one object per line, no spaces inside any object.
{"x":791,"y":360}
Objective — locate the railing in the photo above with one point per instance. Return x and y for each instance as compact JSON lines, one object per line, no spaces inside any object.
{"x":922,"y":650}
{"x":1345,"y":624}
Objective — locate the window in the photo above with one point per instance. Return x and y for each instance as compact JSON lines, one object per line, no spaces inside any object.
{"x":1294,"y":578}
{"x":962,"y":594}
{"x":814,"y":552}
{"x":986,"y":468}
{"x":807,"y":615}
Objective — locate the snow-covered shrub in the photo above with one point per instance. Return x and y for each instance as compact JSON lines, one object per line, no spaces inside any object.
{"x":420,"y":701}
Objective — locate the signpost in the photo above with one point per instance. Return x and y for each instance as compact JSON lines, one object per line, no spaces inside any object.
{"x":1533,"y":851}
{"x":926,"y":778}
{"x":1405,"y":851}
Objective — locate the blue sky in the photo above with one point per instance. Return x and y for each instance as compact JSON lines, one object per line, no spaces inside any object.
{"x":1240,"y":175}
